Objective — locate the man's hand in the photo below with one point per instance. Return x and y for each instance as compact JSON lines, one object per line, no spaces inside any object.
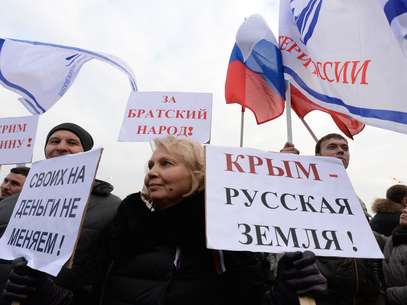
{"x":300,"y":272}
{"x":32,"y":287}
{"x":289,"y":148}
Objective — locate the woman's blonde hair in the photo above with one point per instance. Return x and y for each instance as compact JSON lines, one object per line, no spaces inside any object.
{"x":191,"y":153}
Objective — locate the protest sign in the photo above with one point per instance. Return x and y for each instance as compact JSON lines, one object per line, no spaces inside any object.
{"x":274,"y":202}
{"x":45,"y":221}
{"x":17,"y":136}
{"x":156,"y":114}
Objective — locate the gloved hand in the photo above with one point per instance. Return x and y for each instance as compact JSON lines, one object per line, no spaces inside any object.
{"x":32,"y":287}
{"x":22,"y":283}
{"x":299,"y":271}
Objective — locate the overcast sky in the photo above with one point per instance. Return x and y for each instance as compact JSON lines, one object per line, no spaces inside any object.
{"x":179,"y":45}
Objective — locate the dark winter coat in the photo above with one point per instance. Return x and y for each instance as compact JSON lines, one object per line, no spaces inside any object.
{"x":161,"y":257}
{"x":387,"y":216}
{"x":352,"y":281}
{"x":101,"y":209}
{"x":395,"y":267}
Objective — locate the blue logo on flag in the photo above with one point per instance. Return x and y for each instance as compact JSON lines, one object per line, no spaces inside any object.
{"x":305,"y":13}
{"x":71,"y":59}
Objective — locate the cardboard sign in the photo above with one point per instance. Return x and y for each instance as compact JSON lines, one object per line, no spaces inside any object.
{"x":46,"y":218}
{"x":274,"y":202}
{"x":158,"y":114}
{"x":17,"y":136}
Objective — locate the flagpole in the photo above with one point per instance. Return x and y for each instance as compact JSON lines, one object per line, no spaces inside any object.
{"x":288,"y":112}
{"x":309,"y":130}
{"x":241,"y":127}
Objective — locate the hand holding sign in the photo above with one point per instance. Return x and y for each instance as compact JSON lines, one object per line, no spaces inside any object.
{"x":30,"y":286}
{"x":300,"y":271}
{"x":23,"y":282}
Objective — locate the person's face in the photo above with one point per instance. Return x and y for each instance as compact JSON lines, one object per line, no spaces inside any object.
{"x":337,"y":148}
{"x":62,"y":142}
{"x":168,"y":179}
{"x":403,"y":217}
{"x":13,"y":183}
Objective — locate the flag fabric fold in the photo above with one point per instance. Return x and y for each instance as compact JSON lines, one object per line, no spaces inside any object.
{"x":41,"y":73}
{"x":343,"y":56}
{"x":255,"y":74}
{"x":302,"y":106}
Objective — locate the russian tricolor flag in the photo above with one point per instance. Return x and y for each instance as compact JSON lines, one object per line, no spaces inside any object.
{"x":255,"y":73}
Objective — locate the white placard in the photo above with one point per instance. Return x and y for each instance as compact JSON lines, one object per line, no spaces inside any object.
{"x":156,"y":114}
{"x":274,"y":202}
{"x":17,"y":136}
{"x":46,"y":218}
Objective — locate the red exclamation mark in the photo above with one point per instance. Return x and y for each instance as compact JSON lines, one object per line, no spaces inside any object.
{"x":29,"y":142}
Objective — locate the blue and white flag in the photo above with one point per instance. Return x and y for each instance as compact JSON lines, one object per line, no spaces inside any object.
{"x":396,"y":14}
{"x":343,"y":55}
{"x":41,"y":73}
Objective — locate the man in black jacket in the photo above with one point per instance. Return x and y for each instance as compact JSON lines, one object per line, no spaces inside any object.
{"x":63,"y":139}
{"x":350,"y":281}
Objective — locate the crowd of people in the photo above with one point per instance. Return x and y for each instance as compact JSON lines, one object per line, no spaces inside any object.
{"x":150,"y":248}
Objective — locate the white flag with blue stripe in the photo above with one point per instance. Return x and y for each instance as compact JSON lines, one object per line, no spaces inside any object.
{"x":343,"y":55}
{"x":396,"y":14}
{"x":41,"y":73}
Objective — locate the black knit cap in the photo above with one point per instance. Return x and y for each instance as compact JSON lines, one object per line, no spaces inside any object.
{"x":83,"y":135}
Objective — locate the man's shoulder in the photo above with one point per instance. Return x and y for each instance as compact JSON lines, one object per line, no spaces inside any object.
{"x":7,"y":205}
{"x":6,"y":209}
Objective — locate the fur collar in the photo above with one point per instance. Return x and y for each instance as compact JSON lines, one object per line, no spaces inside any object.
{"x":383,"y":205}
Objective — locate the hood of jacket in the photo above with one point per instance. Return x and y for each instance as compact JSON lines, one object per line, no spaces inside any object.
{"x":101,"y":188}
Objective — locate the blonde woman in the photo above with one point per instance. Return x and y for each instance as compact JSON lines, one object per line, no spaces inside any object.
{"x":159,"y":246}
{"x":156,"y":251}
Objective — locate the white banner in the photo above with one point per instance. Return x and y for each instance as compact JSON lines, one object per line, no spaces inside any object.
{"x":274,"y":202}
{"x":41,"y":72}
{"x":344,"y":56}
{"x":17,"y":137}
{"x":46,"y":218}
{"x":156,"y":114}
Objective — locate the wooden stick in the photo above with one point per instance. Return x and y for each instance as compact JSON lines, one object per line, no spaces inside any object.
{"x":306,"y":301}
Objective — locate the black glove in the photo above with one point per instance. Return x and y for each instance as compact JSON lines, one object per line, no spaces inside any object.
{"x":300,"y":272}
{"x":32,"y":287}
{"x":20,"y":285}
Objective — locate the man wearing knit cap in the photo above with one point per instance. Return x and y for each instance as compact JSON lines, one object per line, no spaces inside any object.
{"x":64,"y":139}
{"x":67,"y":138}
